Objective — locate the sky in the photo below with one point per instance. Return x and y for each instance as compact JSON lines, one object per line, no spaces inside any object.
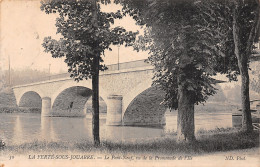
{"x":23,"y":27}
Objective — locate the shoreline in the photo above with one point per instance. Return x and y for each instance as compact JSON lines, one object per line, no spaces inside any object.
{"x":207,"y":142}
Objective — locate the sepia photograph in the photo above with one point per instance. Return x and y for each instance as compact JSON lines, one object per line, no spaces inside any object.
{"x":106,"y":83}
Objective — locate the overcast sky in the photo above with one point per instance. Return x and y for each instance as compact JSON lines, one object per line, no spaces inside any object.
{"x":23,"y":28}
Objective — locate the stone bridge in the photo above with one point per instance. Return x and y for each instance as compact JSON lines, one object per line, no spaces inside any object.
{"x":125,"y":90}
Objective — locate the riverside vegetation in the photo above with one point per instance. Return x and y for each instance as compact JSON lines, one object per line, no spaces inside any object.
{"x":220,"y":139}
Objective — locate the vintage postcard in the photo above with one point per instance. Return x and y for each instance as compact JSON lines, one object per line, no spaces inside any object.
{"x":129,"y":83}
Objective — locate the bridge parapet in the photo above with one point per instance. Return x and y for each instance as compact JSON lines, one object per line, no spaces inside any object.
{"x":112,"y":69}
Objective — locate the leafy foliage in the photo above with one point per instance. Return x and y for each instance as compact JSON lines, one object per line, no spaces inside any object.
{"x":86,"y":32}
{"x":214,"y":16}
{"x":241,"y":19}
{"x":184,"y":49}
{"x":218,"y":15}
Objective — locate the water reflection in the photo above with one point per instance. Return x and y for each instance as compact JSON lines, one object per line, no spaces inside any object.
{"x":20,"y":128}
{"x":47,"y":131}
{"x":17,"y":129}
{"x":65,"y":128}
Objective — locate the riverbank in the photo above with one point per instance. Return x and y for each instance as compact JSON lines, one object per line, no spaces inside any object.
{"x":218,"y":140}
{"x":15,"y":109}
{"x":208,"y":107}
{"x":219,"y":147}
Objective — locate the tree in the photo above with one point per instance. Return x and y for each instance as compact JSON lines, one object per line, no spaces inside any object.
{"x":240,"y":20}
{"x":86,"y":32}
{"x":245,"y":25}
{"x":182,"y":55}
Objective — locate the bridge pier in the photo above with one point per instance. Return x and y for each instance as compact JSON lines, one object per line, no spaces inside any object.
{"x":46,"y":106}
{"x":114,"y":110}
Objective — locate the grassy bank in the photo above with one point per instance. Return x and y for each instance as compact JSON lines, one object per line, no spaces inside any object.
{"x":207,"y":142}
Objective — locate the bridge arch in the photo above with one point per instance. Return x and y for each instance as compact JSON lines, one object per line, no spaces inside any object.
{"x":27,"y":93}
{"x":71,"y":99}
{"x":145,"y":108}
{"x":30,"y":99}
{"x":129,"y":97}
{"x":86,"y":84}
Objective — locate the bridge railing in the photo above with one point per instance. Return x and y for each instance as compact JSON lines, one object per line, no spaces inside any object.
{"x":111,"y":67}
{"x":128,"y":65}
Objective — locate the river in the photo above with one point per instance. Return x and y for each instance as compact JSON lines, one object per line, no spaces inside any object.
{"x":25,"y":127}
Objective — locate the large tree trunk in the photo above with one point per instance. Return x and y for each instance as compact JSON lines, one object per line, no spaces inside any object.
{"x":95,"y":86}
{"x":95,"y":103}
{"x":242,"y":58}
{"x":246,"y":116}
{"x":185,"y":120}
